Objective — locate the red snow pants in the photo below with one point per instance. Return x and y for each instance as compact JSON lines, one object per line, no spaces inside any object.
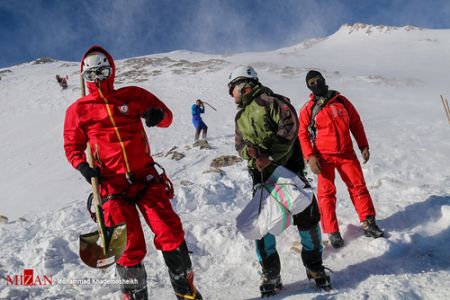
{"x":157,"y":211}
{"x":350,"y":171}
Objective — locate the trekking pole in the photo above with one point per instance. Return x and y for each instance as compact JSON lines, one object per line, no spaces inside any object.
{"x":446,"y":108}
{"x":209,"y":105}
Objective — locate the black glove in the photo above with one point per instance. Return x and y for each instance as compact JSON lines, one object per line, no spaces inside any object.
{"x":153,"y":116}
{"x":88,"y":172}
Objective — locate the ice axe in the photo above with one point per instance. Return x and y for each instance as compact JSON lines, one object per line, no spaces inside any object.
{"x":209,"y":105}
{"x":101,"y":248}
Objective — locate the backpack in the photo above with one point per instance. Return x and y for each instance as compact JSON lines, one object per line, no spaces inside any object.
{"x":285,"y":101}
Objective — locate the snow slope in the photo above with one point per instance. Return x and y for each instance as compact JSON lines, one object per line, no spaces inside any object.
{"x":394,"y":76}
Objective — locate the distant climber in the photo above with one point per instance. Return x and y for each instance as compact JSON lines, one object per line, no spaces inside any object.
{"x":62,"y":81}
{"x":197,"y":109}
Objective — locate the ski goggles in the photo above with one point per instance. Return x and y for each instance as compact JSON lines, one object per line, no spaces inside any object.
{"x":100,"y":73}
{"x":232,"y":84}
{"x":314,"y":81}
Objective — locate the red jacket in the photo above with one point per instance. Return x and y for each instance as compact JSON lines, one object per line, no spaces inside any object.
{"x":110,"y":120}
{"x":334,"y":122}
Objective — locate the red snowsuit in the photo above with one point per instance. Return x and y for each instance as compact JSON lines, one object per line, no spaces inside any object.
{"x":334,"y":149}
{"x":110,"y":120}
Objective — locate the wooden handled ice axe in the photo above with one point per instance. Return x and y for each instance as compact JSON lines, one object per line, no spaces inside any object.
{"x":101,"y":248}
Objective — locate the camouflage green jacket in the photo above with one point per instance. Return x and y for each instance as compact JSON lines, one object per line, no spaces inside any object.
{"x":267,"y":122}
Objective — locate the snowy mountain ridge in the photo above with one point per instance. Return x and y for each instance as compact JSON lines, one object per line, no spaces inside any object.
{"x":372,"y":29}
{"x":394,"y":80}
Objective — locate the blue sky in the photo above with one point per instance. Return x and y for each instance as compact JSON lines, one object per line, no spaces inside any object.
{"x":64,"y":29}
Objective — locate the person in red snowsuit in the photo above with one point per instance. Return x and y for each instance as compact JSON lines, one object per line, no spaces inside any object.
{"x":326,"y":121}
{"x":110,"y":121}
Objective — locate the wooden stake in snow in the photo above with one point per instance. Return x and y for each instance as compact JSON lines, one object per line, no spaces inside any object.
{"x":446,"y":108}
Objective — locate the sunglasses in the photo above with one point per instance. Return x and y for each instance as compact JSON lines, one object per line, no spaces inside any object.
{"x":232,"y":84}
{"x":314,"y":81}
{"x":100,"y":73}
{"x":231,"y":88}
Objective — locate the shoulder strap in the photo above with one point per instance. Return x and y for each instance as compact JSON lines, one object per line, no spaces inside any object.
{"x":315,"y":108}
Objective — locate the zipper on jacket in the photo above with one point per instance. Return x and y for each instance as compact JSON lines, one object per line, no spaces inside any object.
{"x":122,"y":146}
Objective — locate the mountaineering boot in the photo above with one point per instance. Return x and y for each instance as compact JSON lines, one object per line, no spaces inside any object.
{"x":271,"y":267}
{"x":320,"y":277}
{"x":135,"y":282}
{"x":180,"y":272}
{"x":371,"y":229}
{"x":183,"y":285}
{"x":270,"y":284}
{"x":141,"y":295}
{"x":336,"y":239}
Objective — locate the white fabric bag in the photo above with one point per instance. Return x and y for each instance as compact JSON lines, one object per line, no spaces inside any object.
{"x":288,"y":189}
{"x":275,"y":202}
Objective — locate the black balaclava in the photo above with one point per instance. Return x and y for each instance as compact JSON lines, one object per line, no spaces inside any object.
{"x":319,"y":88}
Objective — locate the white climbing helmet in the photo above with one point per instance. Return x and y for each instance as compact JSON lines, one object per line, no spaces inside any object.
{"x":96,"y":66}
{"x":242,"y":72}
{"x":240,"y":75}
{"x":94,"y":60}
